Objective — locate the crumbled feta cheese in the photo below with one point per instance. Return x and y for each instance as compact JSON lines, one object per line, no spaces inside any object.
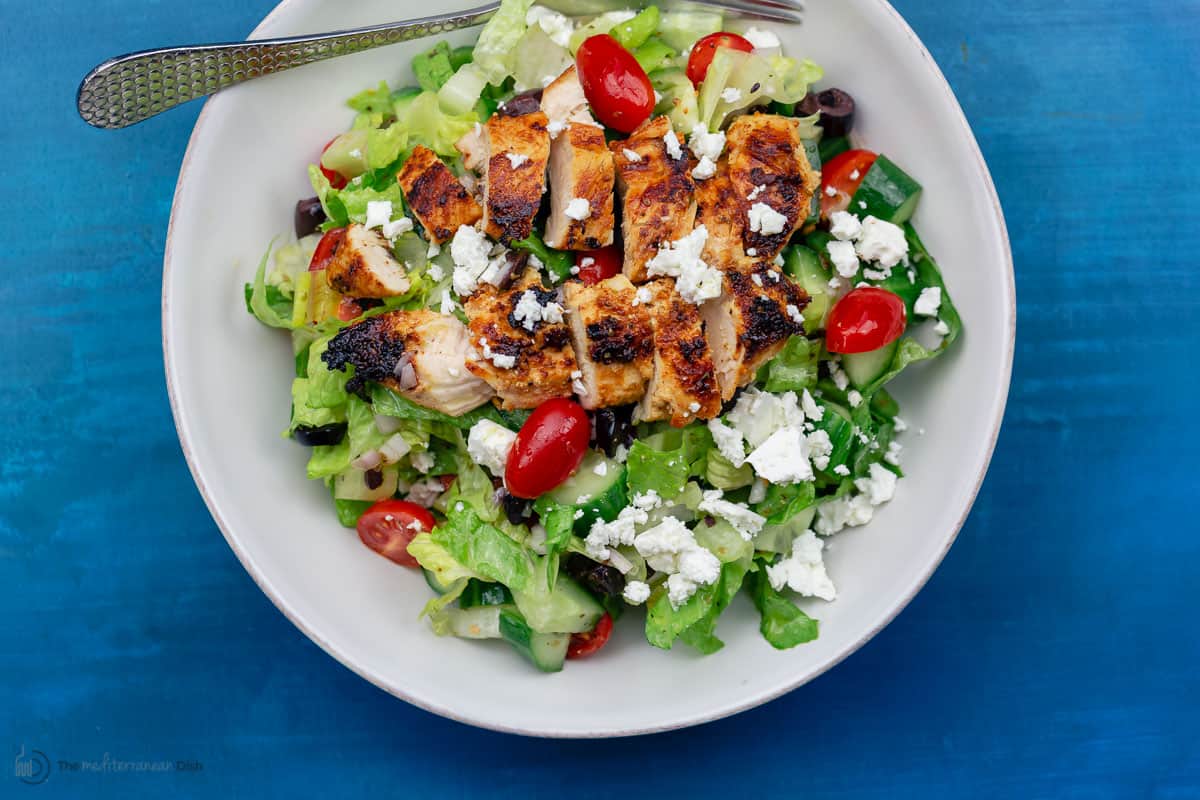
{"x":755,"y":192}
{"x":893,"y":453}
{"x":674,"y":150}
{"x":705,"y":169}
{"x":745,"y":521}
{"x":854,"y":398}
{"x":862,"y":204}
{"x":941,"y":328}
{"x":422,"y":461}
{"x":847,"y":510}
{"x":705,"y":144}
{"x":578,"y":514}
{"x":803,"y":571}
{"x":528,"y":311}
{"x":448,"y":305}
{"x":845,"y":226}
{"x":473,"y":263}
{"x":855,"y":175}
{"x":761,"y":38}
{"x":601,"y":469}
{"x":604,"y":535}
{"x":758,"y":491}
{"x":811,"y":409}
{"x":731,"y":94}
{"x":839,"y":377}
{"x":632,"y":156}
{"x":578,"y":387}
{"x":844,"y":259}
{"x":694,"y":280}
{"x":578,"y":209}
{"x":555,"y":25}
{"x":500,"y":360}
{"x":642,"y":295}
{"x":928,"y":302}
{"x":436,"y":273}
{"x":729,"y":442}
{"x":900,"y":425}
{"x":783,"y":457}
{"x":876,"y":274}
{"x":794,"y":313}
{"x":820,"y":448}
{"x":434,"y":250}
{"x":879,"y":486}
{"x":636,"y":592}
{"x":378,"y":213}
{"x":752,"y":251}
{"x":516,"y":159}
{"x":671,"y":548}
{"x":758,"y":414}
{"x":766,"y":220}
{"x":489,"y":444}
{"x":841,"y":469}
{"x":425,"y":492}
{"x":556,"y":127}
{"x":396,"y":227}
{"x":882,"y":242}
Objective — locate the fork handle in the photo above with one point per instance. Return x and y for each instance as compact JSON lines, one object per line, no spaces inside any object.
{"x":130,"y":88}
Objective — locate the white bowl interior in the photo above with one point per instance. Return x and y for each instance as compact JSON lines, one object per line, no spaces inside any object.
{"x":229,"y":379}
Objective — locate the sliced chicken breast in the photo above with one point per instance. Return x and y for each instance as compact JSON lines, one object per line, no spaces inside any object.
{"x":581,"y":189}
{"x":436,"y":197}
{"x":657,"y":193}
{"x":772,"y":177}
{"x":363,"y":265}
{"x":520,"y":344}
{"x":720,"y":211}
{"x":563,"y":101}
{"x":684,"y":385}
{"x":419,"y":354}
{"x":514,"y":172}
{"x":473,"y":147}
{"x":612,"y":339}
{"x":751,"y":321}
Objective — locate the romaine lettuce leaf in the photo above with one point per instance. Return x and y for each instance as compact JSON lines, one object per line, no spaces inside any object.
{"x":483,"y":549}
{"x":432,"y":68}
{"x":795,"y":368}
{"x":783,"y":624}
{"x":343,"y":206}
{"x":665,"y":623}
{"x":427,"y":123}
{"x":784,"y":501}
{"x":664,"y":461}
{"x":496,"y":47}
{"x":435,"y":558}
{"x":267,"y":310}
{"x":372,"y":101}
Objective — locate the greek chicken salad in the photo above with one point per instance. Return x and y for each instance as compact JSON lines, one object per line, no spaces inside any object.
{"x":598,"y":315}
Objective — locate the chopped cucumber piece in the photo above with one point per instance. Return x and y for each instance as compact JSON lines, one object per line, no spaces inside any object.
{"x":888,"y":192}
{"x":435,"y":583}
{"x":805,"y":266}
{"x":597,"y":489}
{"x":813,"y":151}
{"x":354,"y":484}
{"x":482,"y":593}
{"x":833,"y":147}
{"x":546,"y":651}
{"x":655,"y":54}
{"x":568,"y":608}
{"x":863,"y":368}
{"x":634,"y":33}
{"x":679,"y":101}
{"x":479,"y":622}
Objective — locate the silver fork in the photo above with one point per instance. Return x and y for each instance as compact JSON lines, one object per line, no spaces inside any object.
{"x":127,"y":89}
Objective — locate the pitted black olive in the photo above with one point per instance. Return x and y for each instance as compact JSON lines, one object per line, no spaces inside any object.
{"x":309,"y":216}
{"x":515,"y":509}
{"x":313,"y":436}
{"x":835,"y":107}
{"x":598,"y":578}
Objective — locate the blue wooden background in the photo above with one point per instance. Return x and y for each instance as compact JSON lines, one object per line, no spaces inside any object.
{"x":1056,"y":653}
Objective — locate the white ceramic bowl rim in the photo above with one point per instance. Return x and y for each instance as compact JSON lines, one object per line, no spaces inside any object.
{"x":264,"y":583}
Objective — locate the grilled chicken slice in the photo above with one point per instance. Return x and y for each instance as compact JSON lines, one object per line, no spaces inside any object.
{"x":612,"y":339}
{"x":363,"y":265}
{"x":765,"y":151}
{"x":437,"y":199}
{"x":684,"y":385}
{"x":581,"y":183}
{"x":419,"y":354}
{"x":517,"y":148}
{"x":657,"y":193}
{"x":520,"y":344}
{"x":473,"y":147}
{"x":563,"y":101}
{"x":751,"y":321}
{"x":720,"y":211}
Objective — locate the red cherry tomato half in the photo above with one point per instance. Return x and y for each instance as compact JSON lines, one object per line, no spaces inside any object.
{"x":548,"y":448}
{"x":614,"y":83}
{"x":388,"y":526}
{"x":585,"y":644}
{"x":843,"y":174}
{"x":704,"y":50}
{"x":865,"y":319}
{"x":336,"y":179}
{"x":325,"y":249}
{"x":597,"y":265}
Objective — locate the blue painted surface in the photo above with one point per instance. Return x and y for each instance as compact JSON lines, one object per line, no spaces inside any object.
{"x":1053,"y":655}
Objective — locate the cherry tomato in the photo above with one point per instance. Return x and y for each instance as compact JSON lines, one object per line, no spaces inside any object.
{"x":336,"y":179}
{"x":843,"y":174}
{"x":614,"y":83}
{"x":325,"y":249}
{"x":548,"y":448}
{"x":585,"y":644}
{"x":704,"y":50}
{"x":388,"y":526}
{"x":865,"y":319}
{"x":603,"y":263}
{"x":348,"y":309}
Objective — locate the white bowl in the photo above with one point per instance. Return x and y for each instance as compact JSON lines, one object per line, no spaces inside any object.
{"x":229,"y":381}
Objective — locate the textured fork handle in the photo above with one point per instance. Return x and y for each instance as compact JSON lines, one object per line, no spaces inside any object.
{"x":130,"y":88}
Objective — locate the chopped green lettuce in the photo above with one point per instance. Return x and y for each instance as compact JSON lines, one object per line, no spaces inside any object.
{"x":433,"y":68}
{"x":756,"y":78}
{"x":497,"y":44}
{"x":665,"y":623}
{"x":682,"y":29}
{"x":268,"y":308}
{"x":633,"y":33}
{"x":484,"y":549}
{"x":795,"y":368}
{"x":783,"y":623}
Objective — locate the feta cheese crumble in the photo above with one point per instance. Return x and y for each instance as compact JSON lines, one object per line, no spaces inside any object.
{"x":516,"y":159}
{"x":745,"y":521}
{"x":766,"y":220}
{"x":854,"y":398}
{"x":473,"y":263}
{"x":929,"y":302}
{"x":641,"y":296}
{"x":756,"y":191}
{"x":529,"y":311}
{"x":378,"y":213}
{"x":632,"y":156}
{"x":882,"y":242}
{"x":489,"y":444}
{"x":578,"y":209}
{"x":803,"y":571}
{"x":671,"y":141}
{"x":879,"y":486}
{"x":671,"y":548}
{"x":621,"y":531}
{"x":555,"y":25}
{"x":705,"y":169}
{"x":422,"y":461}
{"x":844,"y":259}
{"x":695,"y":280}
{"x":729,"y":442}
{"x":783,"y":457}
{"x":761,"y":39}
{"x":636,"y":592}
{"x":704,"y":144}
{"x":500,"y":360}
{"x":845,"y":226}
